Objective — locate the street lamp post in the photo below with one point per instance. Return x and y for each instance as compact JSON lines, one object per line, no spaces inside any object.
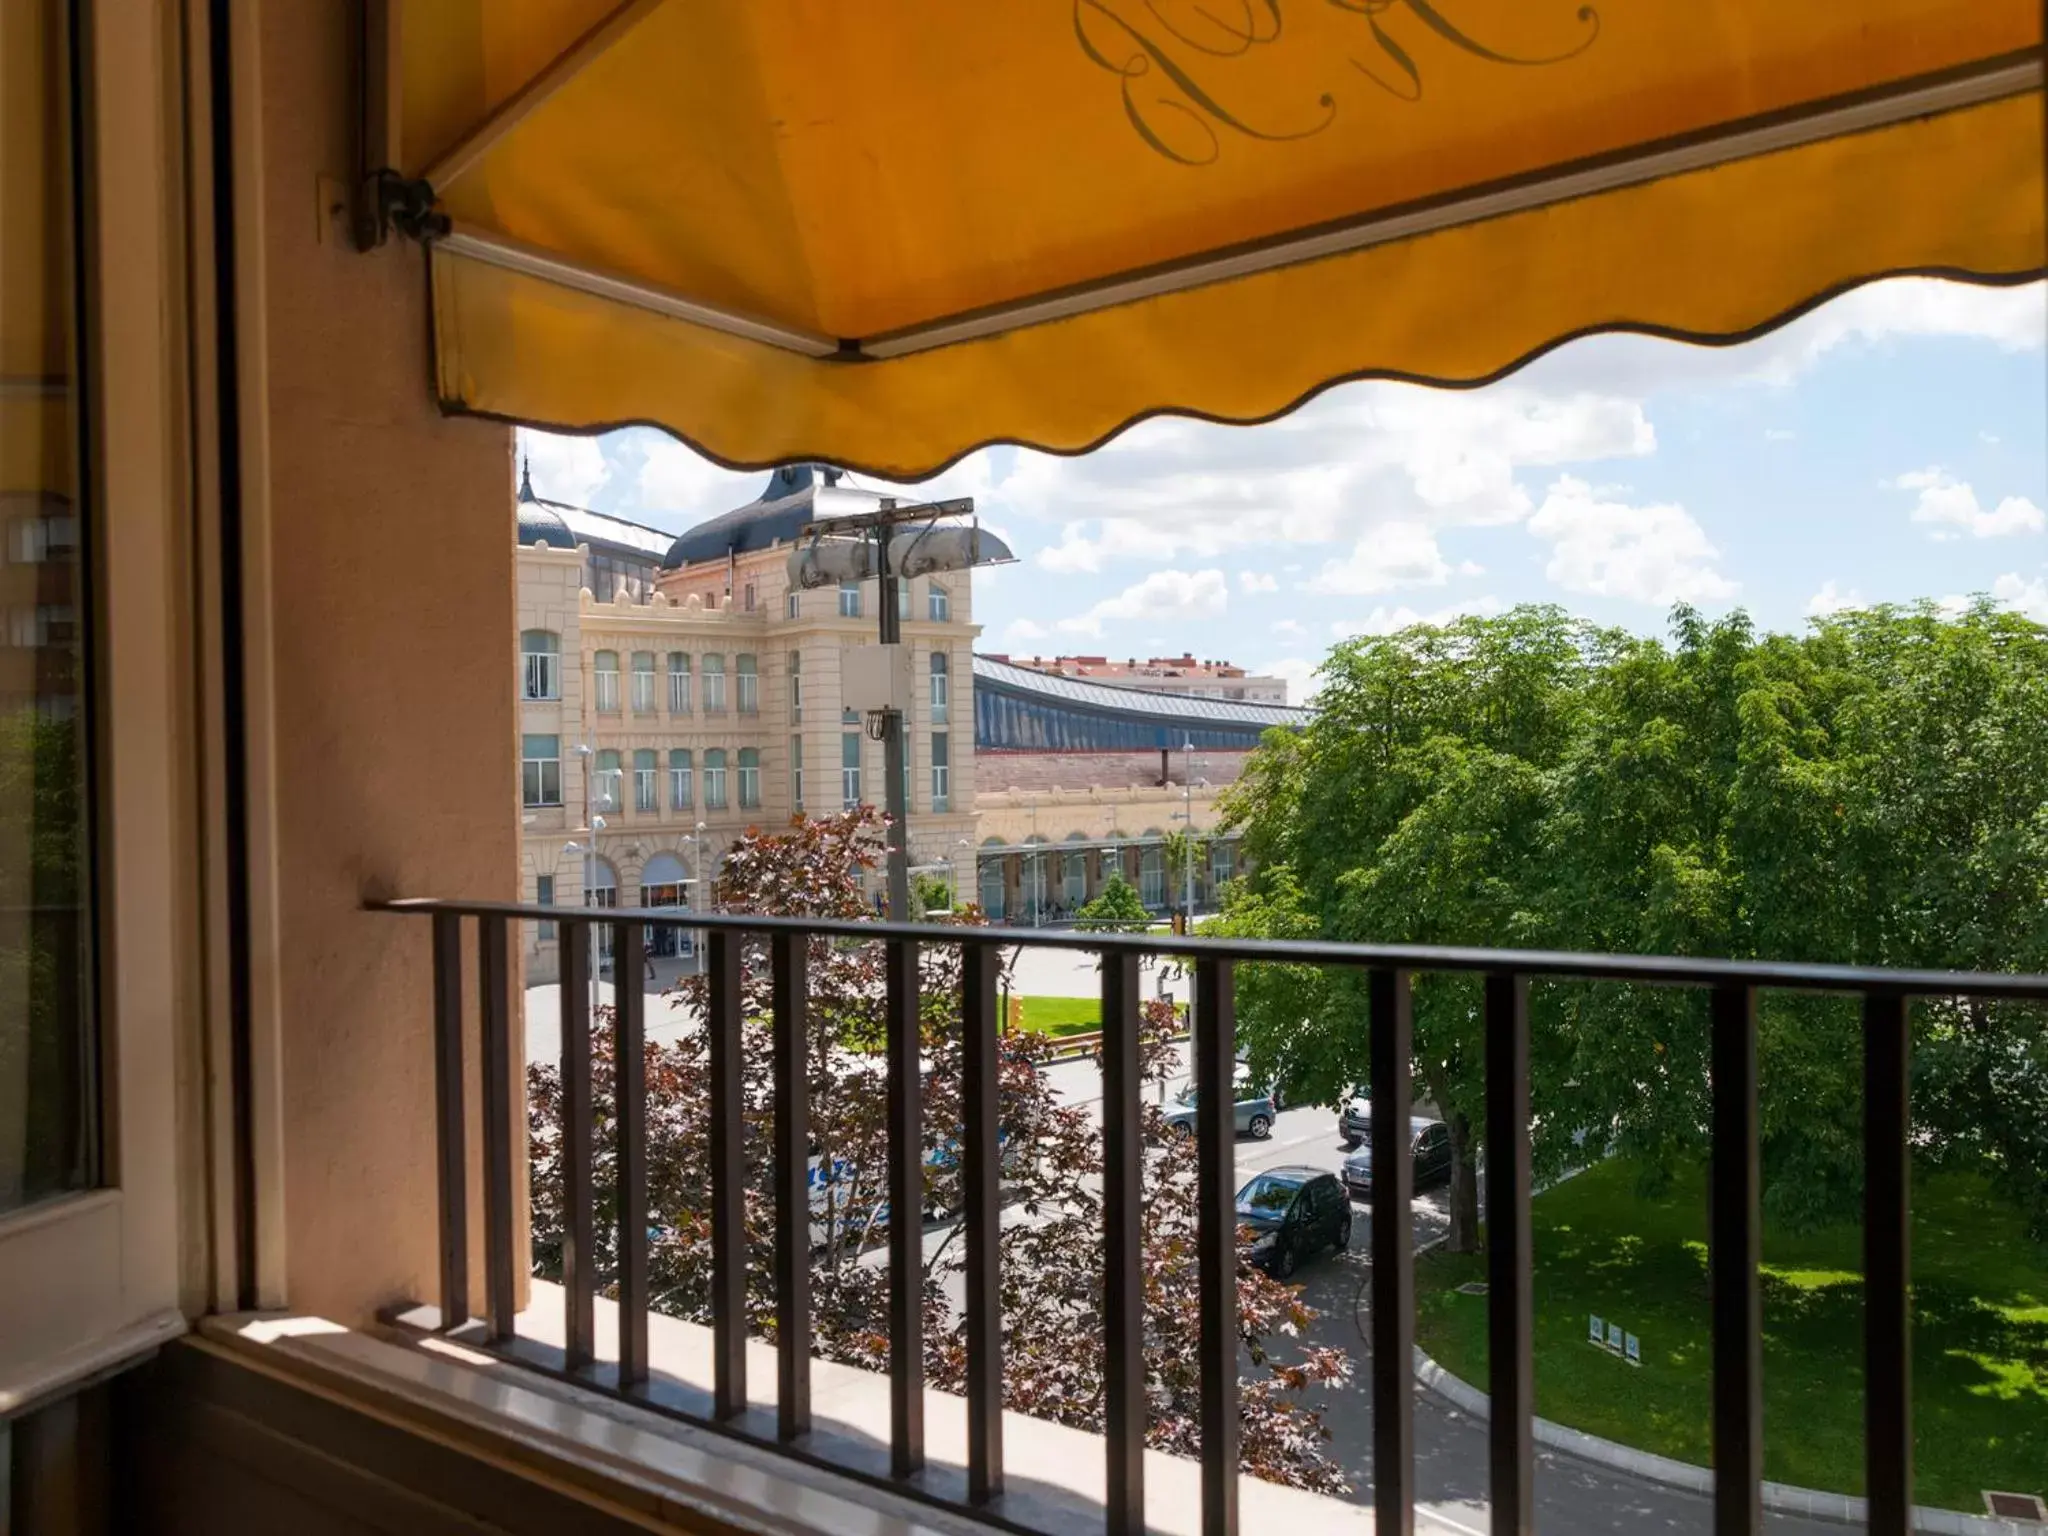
{"x":882,"y":544}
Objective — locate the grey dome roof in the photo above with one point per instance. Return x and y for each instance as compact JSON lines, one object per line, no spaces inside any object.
{"x":541,"y":524}
{"x":785,"y":505}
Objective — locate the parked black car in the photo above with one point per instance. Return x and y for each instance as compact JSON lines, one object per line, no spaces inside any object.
{"x":1294,"y":1214}
{"x":1429,"y":1143}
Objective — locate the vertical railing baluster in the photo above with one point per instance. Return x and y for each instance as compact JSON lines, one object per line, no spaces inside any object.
{"x":629,"y":1116}
{"x":579,"y":1271}
{"x":1887,"y":1265}
{"x":1212,"y":1045}
{"x":494,"y":985}
{"x":1511,"y":1372}
{"x":1123,"y":1277}
{"x":728,"y":1176}
{"x":1391,"y":1028}
{"x":981,"y":1170}
{"x":792,"y":1187}
{"x":906,"y":1212}
{"x":1733,"y":1252}
{"x":451,"y":1124}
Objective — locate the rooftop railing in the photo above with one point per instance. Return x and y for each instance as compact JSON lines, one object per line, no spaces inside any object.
{"x":1734,"y":1217}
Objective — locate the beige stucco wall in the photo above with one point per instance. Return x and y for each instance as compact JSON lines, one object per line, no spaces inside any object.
{"x":391,"y":596}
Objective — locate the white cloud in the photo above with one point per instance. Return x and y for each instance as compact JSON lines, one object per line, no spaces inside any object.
{"x":1988,"y":437}
{"x":1402,"y":554}
{"x":675,"y":477}
{"x":2027,"y":597}
{"x":564,"y":468}
{"x":1022,"y":629}
{"x":1947,"y":504}
{"x":1258,"y":581}
{"x":1386,"y":621}
{"x":1652,"y":554}
{"x":1831,"y":599}
{"x":1779,"y":434}
{"x":1168,"y":594}
{"x":1292,"y":628}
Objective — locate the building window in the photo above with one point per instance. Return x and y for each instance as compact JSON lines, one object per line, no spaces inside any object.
{"x":796,"y":687}
{"x":679,"y":790}
{"x":796,"y":772}
{"x":938,"y":604}
{"x":609,"y":785}
{"x":713,"y":668}
{"x":540,"y":770}
{"x":849,"y":769}
{"x":646,"y":774}
{"x":941,"y":686}
{"x":606,"y":669}
{"x":750,"y":779}
{"x":1222,"y":862}
{"x":942,"y":772}
{"x":849,"y":599}
{"x":1152,"y":876}
{"x":678,"y":683}
{"x":748,"y":679}
{"x":792,"y":606}
{"x":35,"y":540}
{"x":541,"y":650}
{"x":1075,"y":878}
{"x":643,"y":682}
{"x":747,"y":598}
{"x":714,"y":779}
{"x":544,"y":896}
{"x":902,"y":599}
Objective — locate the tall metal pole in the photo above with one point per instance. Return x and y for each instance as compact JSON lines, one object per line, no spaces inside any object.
{"x":894,"y":797}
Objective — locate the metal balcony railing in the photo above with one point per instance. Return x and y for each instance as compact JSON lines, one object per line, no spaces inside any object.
{"x":1734,"y":1218}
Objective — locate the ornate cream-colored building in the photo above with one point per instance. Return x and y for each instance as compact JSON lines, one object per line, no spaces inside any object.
{"x":675,"y":691}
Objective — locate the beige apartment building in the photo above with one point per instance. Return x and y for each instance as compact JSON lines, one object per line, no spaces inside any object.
{"x":699,"y":695}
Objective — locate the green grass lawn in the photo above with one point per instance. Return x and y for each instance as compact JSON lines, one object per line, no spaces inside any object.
{"x":1980,"y":1333}
{"x":1058,"y":1016}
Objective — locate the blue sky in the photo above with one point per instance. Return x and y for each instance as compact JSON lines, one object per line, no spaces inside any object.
{"x":1890,"y":446}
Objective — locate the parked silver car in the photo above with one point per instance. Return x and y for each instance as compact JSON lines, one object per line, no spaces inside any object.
{"x":1254,"y":1112}
{"x":1354,"y":1118}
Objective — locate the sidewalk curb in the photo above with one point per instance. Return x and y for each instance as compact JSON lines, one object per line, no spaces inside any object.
{"x":1782,"y":1498}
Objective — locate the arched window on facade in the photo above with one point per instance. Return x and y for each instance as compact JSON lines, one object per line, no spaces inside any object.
{"x":1074,"y":874}
{"x":750,"y":779}
{"x":646,"y":781}
{"x":713,"y":667}
{"x":678,"y":682}
{"x":938,"y":604}
{"x":608,"y":786}
{"x":1152,"y":873}
{"x":643,"y":682}
{"x":540,"y":652}
{"x":991,"y":877}
{"x":604,"y":668}
{"x":714,"y":779}
{"x":941,"y":687}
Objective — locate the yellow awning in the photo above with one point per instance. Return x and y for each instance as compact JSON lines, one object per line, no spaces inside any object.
{"x":882,"y":234}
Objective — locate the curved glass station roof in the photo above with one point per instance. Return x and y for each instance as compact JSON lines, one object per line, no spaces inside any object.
{"x":1020,"y":709}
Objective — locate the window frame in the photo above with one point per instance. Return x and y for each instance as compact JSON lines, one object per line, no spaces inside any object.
{"x":679,"y":683}
{"x":604,"y":699}
{"x":849,"y":772}
{"x":608,"y":781}
{"x":540,"y":771}
{"x":796,"y":773}
{"x":938,"y":604}
{"x":714,"y":779}
{"x":942,"y":771}
{"x":646,"y":781}
{"x":711,"y":676}
{"x":682,"y":775}
{"x":940,"y":672}
{"x":851,"y":601}
{"x":549,"y":666}
{"x":642,"y":683}
{"x":746,"y":672}
{"x":749,"y":778}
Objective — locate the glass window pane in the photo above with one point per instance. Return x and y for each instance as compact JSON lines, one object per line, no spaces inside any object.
{"x":46,"y":1033}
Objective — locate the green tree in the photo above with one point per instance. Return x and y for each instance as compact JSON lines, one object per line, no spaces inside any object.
{"x":1869,"y":792}
{"x":1181,"y":857}
{"x":1117,"y":908}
